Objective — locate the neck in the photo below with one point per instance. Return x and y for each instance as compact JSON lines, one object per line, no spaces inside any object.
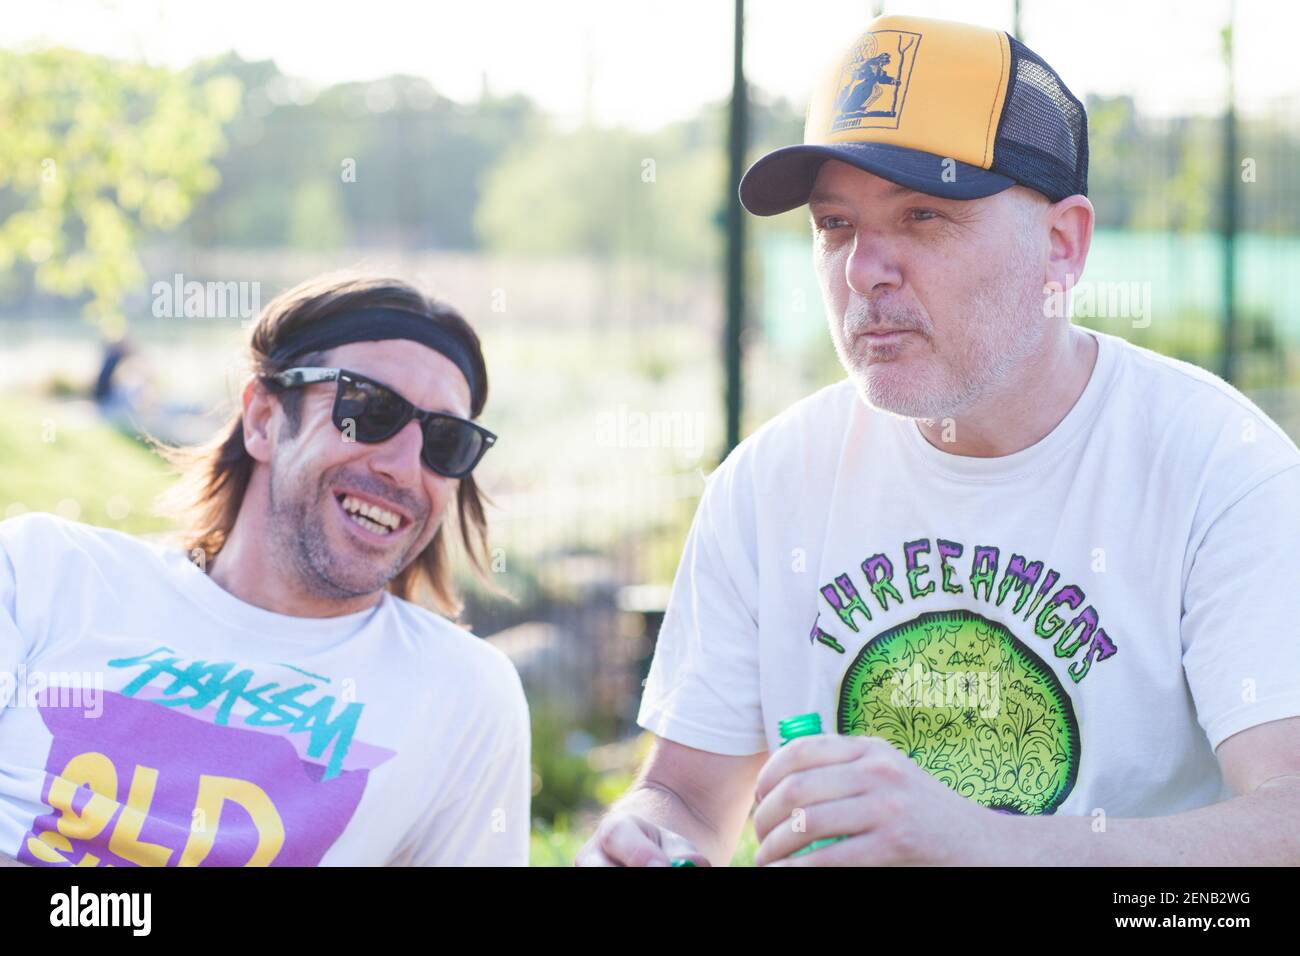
{"x":252,"y":566}
{"x":1003,"y":422}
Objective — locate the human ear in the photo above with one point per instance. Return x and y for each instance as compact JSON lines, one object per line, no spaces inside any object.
{"x":1070,"y":222}
{"x":259,"y":410}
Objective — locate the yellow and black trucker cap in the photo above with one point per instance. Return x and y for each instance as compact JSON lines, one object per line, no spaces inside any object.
{"x":944,"y":108}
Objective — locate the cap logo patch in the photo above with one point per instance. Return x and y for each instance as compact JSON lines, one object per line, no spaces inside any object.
{"x":873,"y":81}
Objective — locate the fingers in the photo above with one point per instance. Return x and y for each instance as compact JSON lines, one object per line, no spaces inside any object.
{"x":810,"y":752}
{"x":805,"y":788}
{"x":624,"y":840}
{"x":592,"y":855}
{"x":834,"y":798}
{"x":679,"y":848}
{"x":864,"y":849}
{"x":849,"y":816}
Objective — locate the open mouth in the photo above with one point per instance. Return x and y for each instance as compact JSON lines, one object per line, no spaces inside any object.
{"x":370,"y":516}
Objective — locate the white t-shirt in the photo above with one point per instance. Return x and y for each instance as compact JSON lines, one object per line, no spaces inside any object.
{"x":192,"y":728}
{"x":1069,"y":628}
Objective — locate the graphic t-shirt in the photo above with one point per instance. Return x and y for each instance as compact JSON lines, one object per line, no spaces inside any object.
{"x":1072,"y":627}
{"x":155,"y":719}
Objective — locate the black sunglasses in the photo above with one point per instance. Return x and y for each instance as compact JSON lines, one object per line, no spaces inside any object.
{"x":452,"y":446}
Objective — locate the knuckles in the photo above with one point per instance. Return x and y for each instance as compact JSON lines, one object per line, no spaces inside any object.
{"x":792,"y":792}
{"x":899,"y":842}
{"x":640,"y":855}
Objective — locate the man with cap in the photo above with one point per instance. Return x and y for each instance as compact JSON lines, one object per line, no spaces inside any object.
{"x":1036,"y":584}
{"x":266,"y":691}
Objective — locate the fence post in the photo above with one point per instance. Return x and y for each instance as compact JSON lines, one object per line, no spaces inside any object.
{"x":735,"y":233}
{"x":1229,"y":199}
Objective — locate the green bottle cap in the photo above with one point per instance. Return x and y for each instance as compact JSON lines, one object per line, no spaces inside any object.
{"x":803,"y":725}
{"x":682,"y":861}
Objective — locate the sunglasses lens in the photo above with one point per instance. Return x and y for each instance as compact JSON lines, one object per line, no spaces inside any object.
{"x":377,"y":411}
{"x":451,"y":447}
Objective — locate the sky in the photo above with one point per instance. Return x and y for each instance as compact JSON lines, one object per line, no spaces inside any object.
{"x":642,"y":64}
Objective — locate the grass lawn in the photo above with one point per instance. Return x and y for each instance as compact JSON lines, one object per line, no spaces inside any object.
{"x":61,"y":458}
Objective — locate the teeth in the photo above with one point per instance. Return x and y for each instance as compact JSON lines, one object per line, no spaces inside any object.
{"x":371,"y":515}
{"x":369,"y":525}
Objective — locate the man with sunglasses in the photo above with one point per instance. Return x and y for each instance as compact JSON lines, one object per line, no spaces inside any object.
{"x":268,"y":692}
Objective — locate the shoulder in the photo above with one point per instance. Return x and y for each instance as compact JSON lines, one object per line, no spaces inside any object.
{"x":1196,"y":429}
{"x":1170,"y":385}
{"x":788,"y":463}
{"x":795,"y":442}
{"x":814,"y":418}
{"x":474,"y":667}
{"x":39,"y":539}
{"x":1195,"y":406}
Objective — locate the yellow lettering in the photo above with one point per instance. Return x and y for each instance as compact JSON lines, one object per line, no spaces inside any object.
{"x":125,"y":840}
{"x":97,"y":772}
{"x":46,"y":848}
{"x":213,"y":793}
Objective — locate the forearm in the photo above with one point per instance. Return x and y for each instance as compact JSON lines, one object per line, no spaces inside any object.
{"x":1260,"y":828}
{"x":663,"y":806}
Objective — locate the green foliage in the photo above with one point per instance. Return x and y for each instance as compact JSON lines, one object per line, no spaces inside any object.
{"x":402,"y":164}
{"x":62,"y":459}
{"x":316,"y":217}
{"x":563,"y":779}
{"x":1167,"y":173}
{"x":607,"y":194}
{"x":554,"y":845}
{"x":659,"y":547}
{"x":747,"y":847}
{"x":96,"y":150}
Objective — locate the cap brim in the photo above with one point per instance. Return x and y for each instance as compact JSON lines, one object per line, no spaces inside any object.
{"x":783,"y":179}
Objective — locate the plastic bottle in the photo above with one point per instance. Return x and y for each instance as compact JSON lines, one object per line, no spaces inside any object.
{"x":792,"y":728}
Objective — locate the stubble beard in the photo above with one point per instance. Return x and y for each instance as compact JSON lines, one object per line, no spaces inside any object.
{"x":299,"y":538}
{"x":1000,"y":338}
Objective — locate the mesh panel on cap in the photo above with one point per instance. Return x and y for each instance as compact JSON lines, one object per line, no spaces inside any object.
{"x":1042,"y":138}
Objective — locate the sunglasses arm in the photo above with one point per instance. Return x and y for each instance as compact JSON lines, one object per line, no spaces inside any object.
{"x":297,"y":377}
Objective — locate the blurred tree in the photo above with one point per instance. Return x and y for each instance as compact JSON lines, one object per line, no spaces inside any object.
{"x":1116,"y":160}
{"x":1163,"y":173}
{"x":402,"y":162}
{"x":93,"y":151}
{"x":316,"y":219}
{"x":608,"y":193}
{"x":1184,"y":194}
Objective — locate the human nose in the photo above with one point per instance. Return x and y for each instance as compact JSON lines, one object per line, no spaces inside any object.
{"x":398,"y":457}
{"x":872,"y":266}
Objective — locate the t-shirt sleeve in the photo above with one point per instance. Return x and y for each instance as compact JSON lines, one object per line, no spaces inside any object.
{"x":703,"y":686}
{"x":1241,"y":611}
{"x":487,"y":822}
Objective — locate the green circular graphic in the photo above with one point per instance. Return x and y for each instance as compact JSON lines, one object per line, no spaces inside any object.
{"x":972,"y":705}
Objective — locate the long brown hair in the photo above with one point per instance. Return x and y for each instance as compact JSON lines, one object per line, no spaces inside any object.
{"x":213,"y":476}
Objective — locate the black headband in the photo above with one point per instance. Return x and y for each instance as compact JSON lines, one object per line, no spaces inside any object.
{"x":374,"y":325}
